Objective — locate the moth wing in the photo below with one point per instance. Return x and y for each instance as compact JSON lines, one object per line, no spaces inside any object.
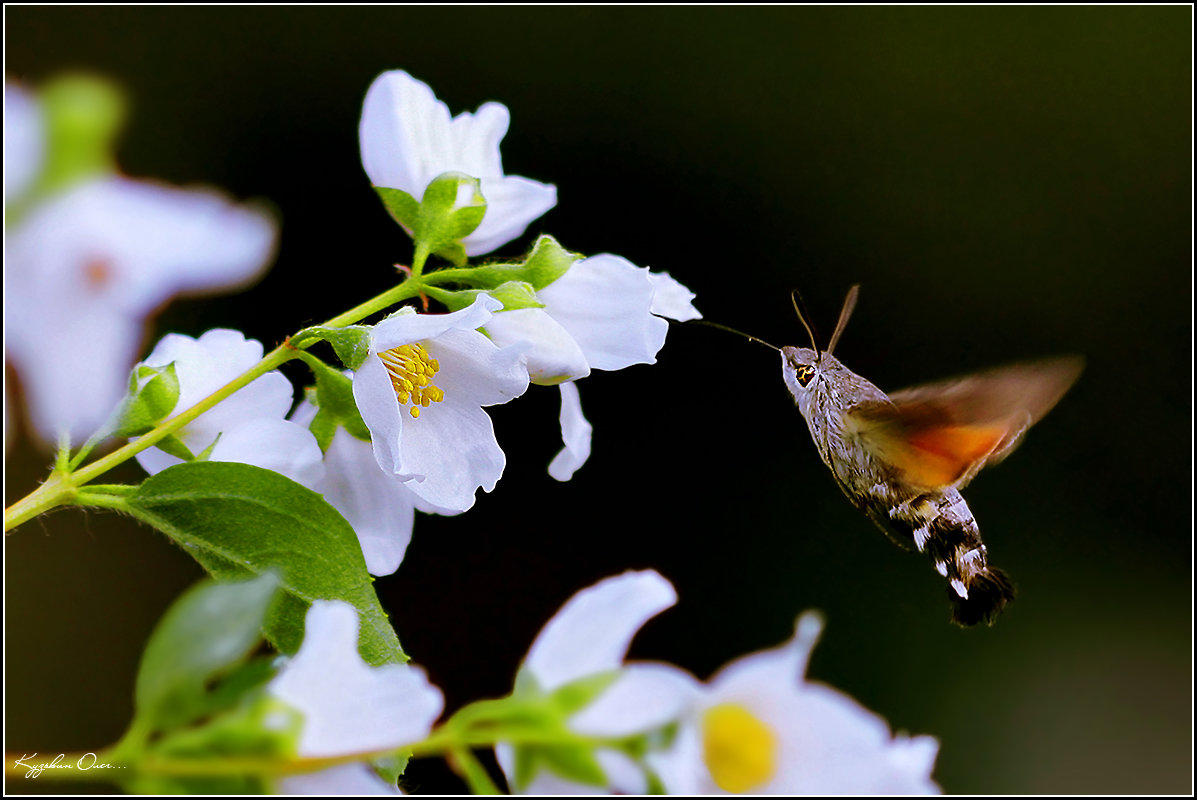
{"x":939,"y":435}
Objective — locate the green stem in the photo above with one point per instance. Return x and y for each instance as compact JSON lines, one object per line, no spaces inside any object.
{"x":470,"y":769}
{"x":61,"y":487}
{"x":419,"y":258}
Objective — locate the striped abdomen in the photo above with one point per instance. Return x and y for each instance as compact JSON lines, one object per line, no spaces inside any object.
{"x":941,"y":525}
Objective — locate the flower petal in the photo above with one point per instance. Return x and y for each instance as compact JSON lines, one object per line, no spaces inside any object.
{"x":476,"y":371}
{"x":273,"y":444}
{"x":206,"y":364}
{"x":671,"y":299}
{"x":451,"y":455}
{"x":605,"y":302}
{"x":575,"y":432}
{"x":406,"y":327}
{"x":404,"y":133}
{"x":349,"y":707}
{"x":781,"y":666}
{"x":552,"y":356}
{"x":643,"y":698}
{"x":512,"y":203}
{"x":592,"y":631}
{"x":378,"y":506}
{"x":23,"y":140}
{"x":475,"y":140}
{"x":57,"y":353}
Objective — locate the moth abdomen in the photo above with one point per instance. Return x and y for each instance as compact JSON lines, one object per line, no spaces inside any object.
{"x":941,"y":526}
{"x":988,"y":593}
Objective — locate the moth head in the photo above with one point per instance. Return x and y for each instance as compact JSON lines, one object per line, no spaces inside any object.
{"x":803,"y":367}
{"x":799,"y":368}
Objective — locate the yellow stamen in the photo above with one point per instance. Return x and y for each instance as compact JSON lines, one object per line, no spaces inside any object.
{"x":411,"y":371}
{"x":739,"y":749}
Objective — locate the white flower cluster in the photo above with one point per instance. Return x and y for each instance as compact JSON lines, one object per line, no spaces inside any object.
{"x":88,"y":265}
{"x":758,"y":726}
{"x":422,"y":390}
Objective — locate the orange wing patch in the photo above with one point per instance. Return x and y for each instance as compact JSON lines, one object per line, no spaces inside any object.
{"x":942,"y":456}
{"x":941,"y":434}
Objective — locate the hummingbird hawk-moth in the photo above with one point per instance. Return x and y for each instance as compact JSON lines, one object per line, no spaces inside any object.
{"x":903,"y":458}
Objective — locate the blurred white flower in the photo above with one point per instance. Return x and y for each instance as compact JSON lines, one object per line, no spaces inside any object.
{"x":589,"y":636}
{"x":760,"y":728}
{"x":421,"y":392}
{"x":757,"y":727}
{"x":23,"y":141}
{"x":347,"y":706}
{"x":85,"y":269}
{"x":408,"y":138}
{"x":603,"y":313}
{"x":251,"y":423}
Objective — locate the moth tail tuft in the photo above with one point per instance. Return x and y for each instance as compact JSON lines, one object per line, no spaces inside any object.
{"x":989,"y":591}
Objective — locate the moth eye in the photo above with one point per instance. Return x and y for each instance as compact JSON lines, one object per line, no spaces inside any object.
{"x":804,"y":373}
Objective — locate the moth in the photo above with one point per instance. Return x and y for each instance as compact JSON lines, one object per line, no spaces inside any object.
{"x":903,"y":458}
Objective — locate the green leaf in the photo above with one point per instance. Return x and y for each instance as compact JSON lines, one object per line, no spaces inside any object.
{"x":351,"y":343}
{"x":324,"y":427}
{"x":402,"y":207}
{"x":452,"y":207}
{"x":392,"y":766}
{"x":264,"y":728}
{"x":174,"y":446}
{"x":239,"y":520}
{"x":207,"y":632}
{"x":577,"y":694}
{"x":573,"y":762}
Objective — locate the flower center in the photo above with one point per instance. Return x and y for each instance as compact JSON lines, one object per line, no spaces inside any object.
{"x":740,"y":751}
{"x":411,"y":370}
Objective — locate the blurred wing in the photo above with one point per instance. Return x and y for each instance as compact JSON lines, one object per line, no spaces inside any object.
{"x":939,"y":435}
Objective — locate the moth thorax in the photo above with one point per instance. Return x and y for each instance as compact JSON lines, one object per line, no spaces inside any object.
{"x":411,"y":370}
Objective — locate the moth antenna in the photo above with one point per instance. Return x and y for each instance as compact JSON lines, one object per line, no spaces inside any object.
{"x":845,"y":312}
{"x":733,"y":330}
{"x":805,"y":318}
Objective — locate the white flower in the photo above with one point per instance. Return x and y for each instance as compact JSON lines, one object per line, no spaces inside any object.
{"x":250,"y":423}
{"x":408,"y":138}
{"x":85,"y":269}
{"x":760,"y":728}
{"x":23,"y":141}
{"x":349,"y":707}
{"x":603,"y":313}
{"x":421,"y":391}
{"x":588,"y":636}
{"x":380,"y":507}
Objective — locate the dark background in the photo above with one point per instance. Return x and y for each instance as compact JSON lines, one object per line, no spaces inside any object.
{"x":1005,"y":183}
